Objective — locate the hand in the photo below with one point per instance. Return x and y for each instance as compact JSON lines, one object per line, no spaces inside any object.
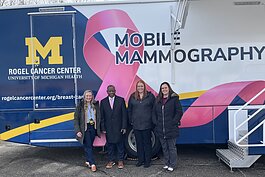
{"x":123,"y":131}
{"x":79,"y":134}
{"x":104,"y":132}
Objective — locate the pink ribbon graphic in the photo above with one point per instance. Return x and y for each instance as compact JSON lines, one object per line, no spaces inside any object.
{"x":213,"y":102}
{"x":102,"y":61}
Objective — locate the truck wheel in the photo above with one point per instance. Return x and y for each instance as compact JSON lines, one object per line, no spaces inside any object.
{"x":130,"y":144}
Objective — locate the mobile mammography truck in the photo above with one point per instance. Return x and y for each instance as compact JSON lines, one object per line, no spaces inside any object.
{"x":211,"y":52}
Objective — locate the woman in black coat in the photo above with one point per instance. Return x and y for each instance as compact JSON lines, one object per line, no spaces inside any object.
{"x":166,"y":117}
{"x":140,"y":116}
{"x":87,"y":125}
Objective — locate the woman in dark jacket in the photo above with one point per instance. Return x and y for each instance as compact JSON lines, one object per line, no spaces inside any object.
{"x":140,"y":116}
{"x":166,"y":117}
{"x":87,"y":125}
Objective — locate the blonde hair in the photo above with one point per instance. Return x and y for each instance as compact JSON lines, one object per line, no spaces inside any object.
{"x":89,"y":91}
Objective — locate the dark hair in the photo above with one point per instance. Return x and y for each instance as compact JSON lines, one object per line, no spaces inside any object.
{"x":111,"y":86}
{"x":160,"y":94}
{"x":136,"y":93}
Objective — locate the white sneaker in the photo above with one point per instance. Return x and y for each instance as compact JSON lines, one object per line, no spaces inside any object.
{"x":165,"y":167}
{"x":87,"y":164}
{"x":93,"y":168}
{"x":170,"y":169}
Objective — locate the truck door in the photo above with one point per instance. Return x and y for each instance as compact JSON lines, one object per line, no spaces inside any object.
{"x":53,"y":59}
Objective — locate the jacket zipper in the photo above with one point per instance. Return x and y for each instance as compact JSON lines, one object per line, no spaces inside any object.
{"x":163,"y":117}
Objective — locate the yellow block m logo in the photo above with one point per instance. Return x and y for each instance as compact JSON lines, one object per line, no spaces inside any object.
{"x":53,"y":46}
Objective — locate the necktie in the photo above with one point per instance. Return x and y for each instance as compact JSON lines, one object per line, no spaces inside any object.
{"x":111,"y":103}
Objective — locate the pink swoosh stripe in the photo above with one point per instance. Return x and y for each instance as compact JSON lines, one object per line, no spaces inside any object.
{"x":201,"y":111}
{"x":253,"y":89}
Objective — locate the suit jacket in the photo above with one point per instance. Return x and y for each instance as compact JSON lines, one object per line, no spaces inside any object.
{"x":113,"y":120}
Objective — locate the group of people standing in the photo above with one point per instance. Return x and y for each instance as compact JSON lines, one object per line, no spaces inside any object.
{"x":144,"y":113}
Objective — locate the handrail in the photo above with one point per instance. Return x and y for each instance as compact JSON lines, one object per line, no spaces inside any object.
{"x":251,"y":131}
{"x":256,"y":127}
{"x":180,"y":13}
{"x":176,"y":24}
{"x":250,"y":117}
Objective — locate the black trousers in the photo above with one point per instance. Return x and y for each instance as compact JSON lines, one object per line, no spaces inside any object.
{"x":112,"y":148}
{"x":144,"y":145}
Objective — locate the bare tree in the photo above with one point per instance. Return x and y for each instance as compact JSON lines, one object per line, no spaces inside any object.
{"x":2,"y":2}
{"x":21,"y":2}
{"x":28,"y":2}
{"x":12,"y":2}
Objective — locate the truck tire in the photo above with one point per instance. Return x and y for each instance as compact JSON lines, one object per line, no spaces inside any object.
{"x":130,"y":144}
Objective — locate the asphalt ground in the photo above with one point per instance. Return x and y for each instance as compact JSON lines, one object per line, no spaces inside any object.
{"x":18,"y":160}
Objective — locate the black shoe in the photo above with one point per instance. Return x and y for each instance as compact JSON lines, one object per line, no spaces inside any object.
{"x":139,"y":164}
{"x":146,"y":165}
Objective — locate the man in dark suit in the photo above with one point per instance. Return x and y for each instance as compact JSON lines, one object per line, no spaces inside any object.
{"x":114,"y":123}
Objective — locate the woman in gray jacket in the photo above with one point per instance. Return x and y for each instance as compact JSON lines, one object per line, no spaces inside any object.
{"x":87,"y":125}
{"x":140,"y":116}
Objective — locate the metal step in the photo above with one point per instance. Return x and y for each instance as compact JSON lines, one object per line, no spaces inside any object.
{"x":239,"y":151}
{"x":236,"y":157}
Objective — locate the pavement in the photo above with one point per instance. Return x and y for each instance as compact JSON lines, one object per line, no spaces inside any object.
{"x":18,"y":160}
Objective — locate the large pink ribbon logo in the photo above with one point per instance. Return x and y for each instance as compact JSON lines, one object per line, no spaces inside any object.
{"x":102,"y":61}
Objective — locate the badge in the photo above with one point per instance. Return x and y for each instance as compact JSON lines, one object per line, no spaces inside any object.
{"x":91,"y":121}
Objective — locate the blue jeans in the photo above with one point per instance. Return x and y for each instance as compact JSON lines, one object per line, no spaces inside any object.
{"x":88,"y":143}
